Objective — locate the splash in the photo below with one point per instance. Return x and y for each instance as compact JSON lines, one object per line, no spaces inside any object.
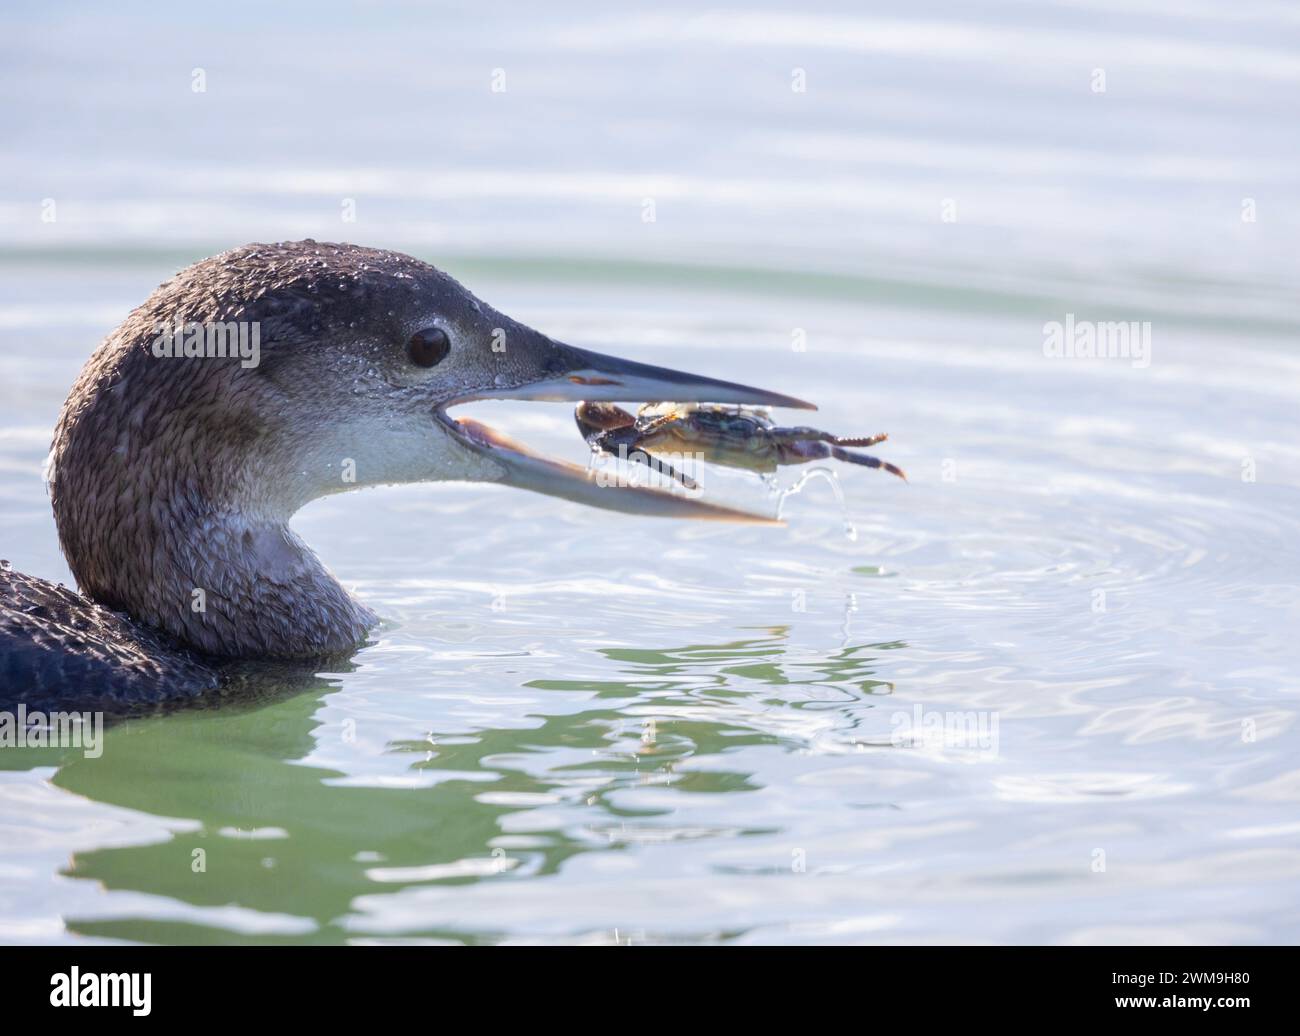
{"x":850,"y":530}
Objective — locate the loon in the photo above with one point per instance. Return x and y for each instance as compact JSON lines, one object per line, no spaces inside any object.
{"x":174,"y":471}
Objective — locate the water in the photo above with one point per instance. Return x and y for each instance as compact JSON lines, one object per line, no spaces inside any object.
{"x":577,"y":726}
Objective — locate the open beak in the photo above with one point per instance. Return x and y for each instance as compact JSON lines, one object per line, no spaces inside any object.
{"x":567,"y":373}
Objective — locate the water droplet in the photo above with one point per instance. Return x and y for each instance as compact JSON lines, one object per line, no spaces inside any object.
{"x":850,"y":530}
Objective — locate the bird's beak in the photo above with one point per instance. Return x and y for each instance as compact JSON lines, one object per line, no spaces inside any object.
{"x":584,"y":375}
{"x":562,"y":372}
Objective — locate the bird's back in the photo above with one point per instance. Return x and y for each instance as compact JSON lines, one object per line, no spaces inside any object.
{"x":61,"y":651}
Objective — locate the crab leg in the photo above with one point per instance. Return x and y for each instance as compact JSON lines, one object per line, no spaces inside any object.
{"x":867,"y":461}
{"x":803,"y":434}
{"x":639,"y":455}
{"x":869,"y":440}
{"x":655,"y":464}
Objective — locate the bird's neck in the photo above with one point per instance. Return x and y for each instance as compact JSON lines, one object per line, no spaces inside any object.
{"x":172,"y":499}
{"x":235,"y":587}
{"x":213,"y":577}
{"x":252,"y":589}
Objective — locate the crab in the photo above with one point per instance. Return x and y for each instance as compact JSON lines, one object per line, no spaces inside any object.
{"x":735,"y":437}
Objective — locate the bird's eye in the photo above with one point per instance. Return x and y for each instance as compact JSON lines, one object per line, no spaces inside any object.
{"x":428,"y":347}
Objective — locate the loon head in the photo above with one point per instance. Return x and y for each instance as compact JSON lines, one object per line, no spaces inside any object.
{"x":260,"y":379}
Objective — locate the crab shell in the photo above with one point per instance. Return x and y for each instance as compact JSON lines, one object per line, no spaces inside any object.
{"x":731,"y":436}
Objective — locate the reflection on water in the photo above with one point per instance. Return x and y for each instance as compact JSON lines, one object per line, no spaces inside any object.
{"x":279,"y":850}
